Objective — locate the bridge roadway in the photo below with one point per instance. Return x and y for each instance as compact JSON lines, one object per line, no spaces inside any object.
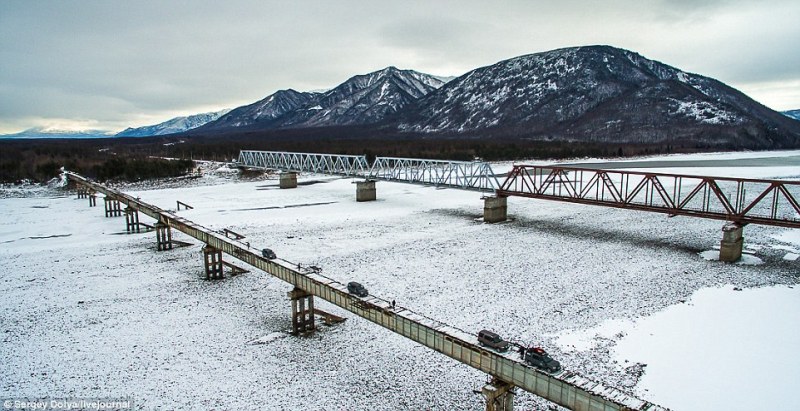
{"x":566,"y":388}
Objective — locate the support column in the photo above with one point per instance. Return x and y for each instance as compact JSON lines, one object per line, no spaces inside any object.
{"x":163,"y":236}
{"x":730,"y":248}
{"x":288,"y":180}
{"x":495,"y":209}
{"x":82,"y":192}
{"x":132,"y":220}
{"x":365,"y":190}
{"x":499,"y":395}
{"x":302,"y":311}
{"x":92,"y":199}
{"x":112,"y":207}
{"x":212,"y":257}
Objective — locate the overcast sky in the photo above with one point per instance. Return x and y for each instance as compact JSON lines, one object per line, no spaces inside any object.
{"x":112,"y":64}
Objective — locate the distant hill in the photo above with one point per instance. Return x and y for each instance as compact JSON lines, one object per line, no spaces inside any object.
{"x":597,"y":94}
{"x":43,"y":132}
{"x":175,"y":125}
{"x":795,"y":114}
{"x":362,"y":99}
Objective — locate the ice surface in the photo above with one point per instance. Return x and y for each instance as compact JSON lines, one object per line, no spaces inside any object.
{"x":91,"y":311}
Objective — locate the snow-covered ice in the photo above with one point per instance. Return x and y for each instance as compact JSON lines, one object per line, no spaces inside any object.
{"x":90,"y":311}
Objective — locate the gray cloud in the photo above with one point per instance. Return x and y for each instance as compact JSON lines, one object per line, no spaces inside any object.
{"x":123,"y":62}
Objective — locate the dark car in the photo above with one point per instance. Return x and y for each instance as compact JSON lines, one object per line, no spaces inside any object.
{"x":491,"y":339}
{"x":268,"y":254}
{"x":357,"y":289}
{"x":539,"y":358}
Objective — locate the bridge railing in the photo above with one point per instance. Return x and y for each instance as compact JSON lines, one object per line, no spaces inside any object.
{"x":467,"y":175}
{"x":739,"y":200}
{"x":345,"y":165}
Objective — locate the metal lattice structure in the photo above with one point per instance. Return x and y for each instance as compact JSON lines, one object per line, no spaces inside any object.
{"x":739,"y":200}
{"x":335,"y":164}
{"x":466,"y":175}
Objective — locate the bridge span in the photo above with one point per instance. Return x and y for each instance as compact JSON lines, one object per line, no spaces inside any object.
{"x":465,"y":175}
{"x":737,"y":201}
{"x":565,"y":388}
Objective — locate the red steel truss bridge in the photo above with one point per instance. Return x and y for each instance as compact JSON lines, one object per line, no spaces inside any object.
{"x":738,"y":200}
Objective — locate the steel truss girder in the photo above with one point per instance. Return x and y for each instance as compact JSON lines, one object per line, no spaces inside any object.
{"x":466,"y":175}
{"x":739,"y":200}
{"x":335,"y":164}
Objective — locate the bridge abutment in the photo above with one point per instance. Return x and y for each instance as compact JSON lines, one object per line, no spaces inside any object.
{"x":132,"y":220}
{"x":302,"y":311}
{"x":163,"y":236}
{"x":365,"y":191}
{"x":495,"y":209}
{"x":499,"y":395}
{"x":112,"y":207}
{"x":212,"y":259}
{"x":730,"y":248}
{"x":288,"y":180}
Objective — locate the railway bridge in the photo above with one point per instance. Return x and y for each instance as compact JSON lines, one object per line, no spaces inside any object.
{"x":507,"y":370}
{"x":737,"y":201}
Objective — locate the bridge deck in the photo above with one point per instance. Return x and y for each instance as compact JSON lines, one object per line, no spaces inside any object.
{"x":566,"y":388}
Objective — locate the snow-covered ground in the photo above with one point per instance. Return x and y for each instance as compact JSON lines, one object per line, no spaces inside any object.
{"x":628,"y":298}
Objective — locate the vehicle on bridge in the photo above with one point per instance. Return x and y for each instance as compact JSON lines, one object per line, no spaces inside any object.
{"x":268,"y":254}
{"x":539,"y":358}
{"x":492,"y":340}
{"x":357,"y":289}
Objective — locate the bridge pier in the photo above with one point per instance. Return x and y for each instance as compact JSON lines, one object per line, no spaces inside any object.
{"x":499,"y":395}
{"x":495,"y":209}
{"x":132,"y":220}
{"x":112,"y":207}
{"x":83,"y":193}
{"x":212,"y":257}
{"x":92,"y":198}
{"x":288,"y":180}
{"x":365,"y":191}
{"x":163,"y":236}
{"x":730,"y":248}
{"x":302,"y":311}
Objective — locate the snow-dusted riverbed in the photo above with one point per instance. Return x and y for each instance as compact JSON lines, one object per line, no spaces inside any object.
{"x":90,"y":311}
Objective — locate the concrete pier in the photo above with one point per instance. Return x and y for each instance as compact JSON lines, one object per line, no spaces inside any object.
{"x":163,"y":237}
{"x":302,"y":311}
{"x":495,"y":209}
{"x":499,"y":395}
{"x":212,"y":258}
{"x":365,"y":191}
{"x":113,"y":208}
{"x":288,"y":180}
{"x":132,"y":220}
{"x":730,"y":248}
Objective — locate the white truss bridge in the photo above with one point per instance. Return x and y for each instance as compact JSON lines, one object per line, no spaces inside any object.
{"x":465,"y":175}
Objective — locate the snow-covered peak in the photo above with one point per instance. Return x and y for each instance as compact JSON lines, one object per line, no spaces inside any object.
{"x":174,"y":125}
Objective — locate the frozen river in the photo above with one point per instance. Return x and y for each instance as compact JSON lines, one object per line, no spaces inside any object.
{"x":90,"y":311}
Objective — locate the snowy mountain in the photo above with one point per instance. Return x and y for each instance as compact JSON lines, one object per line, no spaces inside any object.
{"x":600,"y":94}
{"x":362,"y":99}
{"x":175,"y":125}
{"x":46,"y":132}
{"x":795,"y":114}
